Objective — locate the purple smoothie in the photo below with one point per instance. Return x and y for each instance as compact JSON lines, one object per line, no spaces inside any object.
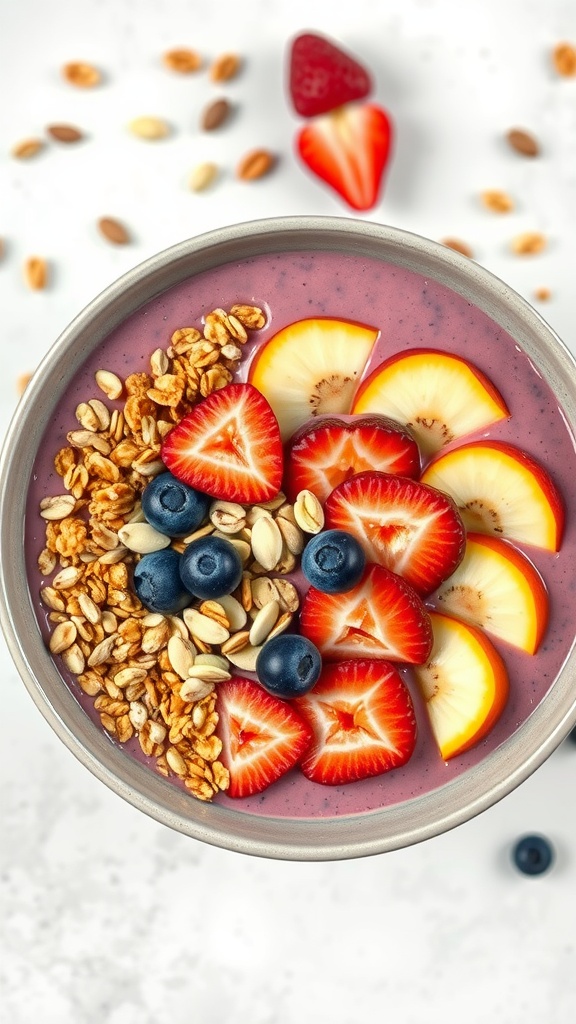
{"x":410,"y":311}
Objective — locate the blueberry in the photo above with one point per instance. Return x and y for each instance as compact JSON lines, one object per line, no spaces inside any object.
{"x":533,"y":855}
{"x":157,"y":582}
{"x":172,"y":507}
{"x":288,"y":665}
{"x":210,"y":568}
{"x":333,"y":561}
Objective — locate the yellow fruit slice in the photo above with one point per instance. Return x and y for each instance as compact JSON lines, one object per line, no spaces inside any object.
{"x":312,"y":368}
{"x":439,"y":396}
{"x":497,"y":588}
{"x":501,"y":490}
{"x":464,"y":684}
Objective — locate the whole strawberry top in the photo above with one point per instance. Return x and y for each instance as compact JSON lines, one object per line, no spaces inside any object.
{"x":322,"y":76}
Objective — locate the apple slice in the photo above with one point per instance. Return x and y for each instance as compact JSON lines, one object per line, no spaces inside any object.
{"x":464,"y":683}
{"x":437,"y":395}
{"x":498,"y":588}
{"x":312,"y":368}
{"x":501,"y":490}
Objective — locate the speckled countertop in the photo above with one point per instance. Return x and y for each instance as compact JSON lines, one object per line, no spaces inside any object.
{"x":105,"y":915}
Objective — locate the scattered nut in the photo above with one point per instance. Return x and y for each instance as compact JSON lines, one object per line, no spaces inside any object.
{"x":215,"y":114}
{"x":523,"y":142}
{"x":225,"y":67}
{"x":142,"y":538}
{"x":113,"y":231}
{"x":528,"y":243}
{"x":202,"y":176}
{"x":64,"y":133}
{"x":109,"y":383}
{"x":82,"y":74}
{"x":255,"y":164}
{"x":308,"y":512}
{"x":497,"y":201}
{"x":457,"y":245}
{"x":182,"y":60}
{"x":564,"y":59}
{"x":264,"y":621}
{"x":27,"y":148}
{"x":543,"y":294}
{"x":150,"y":128}
{"x":36,"y":273}
{"x":266,"y":542}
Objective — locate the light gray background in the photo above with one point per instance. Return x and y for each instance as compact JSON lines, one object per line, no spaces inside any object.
{"x":106,"y":916}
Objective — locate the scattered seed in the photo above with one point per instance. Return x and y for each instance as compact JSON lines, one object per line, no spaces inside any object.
{"x":113,"y":231}
{"x":64,"y":133}
{"x":523,"y":142}
{"x":215,"y":114}
{"x":265,"y":619}
{"x":457,"y":245}
{"x":36,"y":273}
{"x":497,"y":201}
{"x":27,"y":148}
{"x":182,"y":60}
{"x":266,"y":542}
{"x":564,"y":59}
{"x":543,"y":294}
{"x":150,"y":128}
{"x":255,"y":164}
{"x":225,"y":67}
{"x":203,"y":175}
{"x":82,"y":74}
{"x":528,"y":243}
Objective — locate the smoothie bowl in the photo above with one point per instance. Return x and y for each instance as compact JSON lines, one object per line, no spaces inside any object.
{"x":287,"y":538}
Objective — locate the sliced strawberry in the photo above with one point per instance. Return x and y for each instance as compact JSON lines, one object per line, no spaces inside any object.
{"x":349,"y":150}
{"x":381,"y":617}
{"x":363,"y":721}
{"x":411,"y":528}
{"x":326,"y":452}
{"x":322,"y":76}
{"x":228,"y":446}
{"x":262,"y":736}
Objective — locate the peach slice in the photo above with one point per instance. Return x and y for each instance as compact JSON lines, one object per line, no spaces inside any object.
{"x":497,"y":588}
{"x":437,"y":395}
{"x":312,"y":367}
{"x":464,"y":683}
{"x":501,"y":490}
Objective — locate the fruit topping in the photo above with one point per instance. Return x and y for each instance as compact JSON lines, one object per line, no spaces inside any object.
{"x":210,"y":567}
{"x":262,"y":736}
{"x":533,"y":854}
{"x":172,"y":507}
{"x":333,"y":561}
{"x":381,"y":617}
{"x":157,"y":582}
{"x":410,"y":528}
{"x":464,"y":683}
{"x":324,"y":453}
{"x":498,"y":588}
{"x":322,"y":76}
{"x":501,"y":490}
{"x":228,"y":446}
{"x":310,"y":368}
{"x":288,"y":665}
{"x":349,"y":149}
{"x":363,"y":721}
{"x":439,"y":396}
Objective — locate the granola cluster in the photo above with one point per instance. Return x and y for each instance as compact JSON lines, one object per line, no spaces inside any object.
{"x":154,"y":676}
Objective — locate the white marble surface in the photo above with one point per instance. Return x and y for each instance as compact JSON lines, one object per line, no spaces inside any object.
{"x":105,"y":915}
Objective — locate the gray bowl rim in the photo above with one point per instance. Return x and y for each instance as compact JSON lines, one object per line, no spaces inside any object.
{"x":350,"y":836}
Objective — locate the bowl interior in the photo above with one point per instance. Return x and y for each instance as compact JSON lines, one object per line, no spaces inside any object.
{"x":267,"y":832}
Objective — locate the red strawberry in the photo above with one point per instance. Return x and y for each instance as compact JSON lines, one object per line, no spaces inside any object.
{"x":228,"y":446}
{"x":262,"y":736}
{"x":363,"y":721}
{"x":411,"y":528}
{"x":323,"y":77}
{"x":349,"y":150}
{"x":325,"y":452}
{"x":381,"y":617}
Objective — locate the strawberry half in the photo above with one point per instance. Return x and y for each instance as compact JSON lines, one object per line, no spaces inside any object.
{"x":228,"y":446}
{"x":349,"y":150}
{"x":262,"y":736}
{"x":409,"y":527}
{"x":322,"y":76}
{"x":326,"y":452}
{"x":381,"y":617}
{"x":363,"y":721}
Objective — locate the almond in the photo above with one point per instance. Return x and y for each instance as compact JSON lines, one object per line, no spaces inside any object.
{"x":182,"y":60}
{"x":523,"y":142}
{"x":81,"y":74}
{"x":113,"y":231}
{"x":255,"y":164}
{"x":225,"y":67}
{"x":64,"y":133}
{"x":564,"y":59}
{"x":27,"y":148}
{"x":215,"y":114}
{"x":202,"y":176}
{"x":150,"y":128}
{"x":528,"y":243}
